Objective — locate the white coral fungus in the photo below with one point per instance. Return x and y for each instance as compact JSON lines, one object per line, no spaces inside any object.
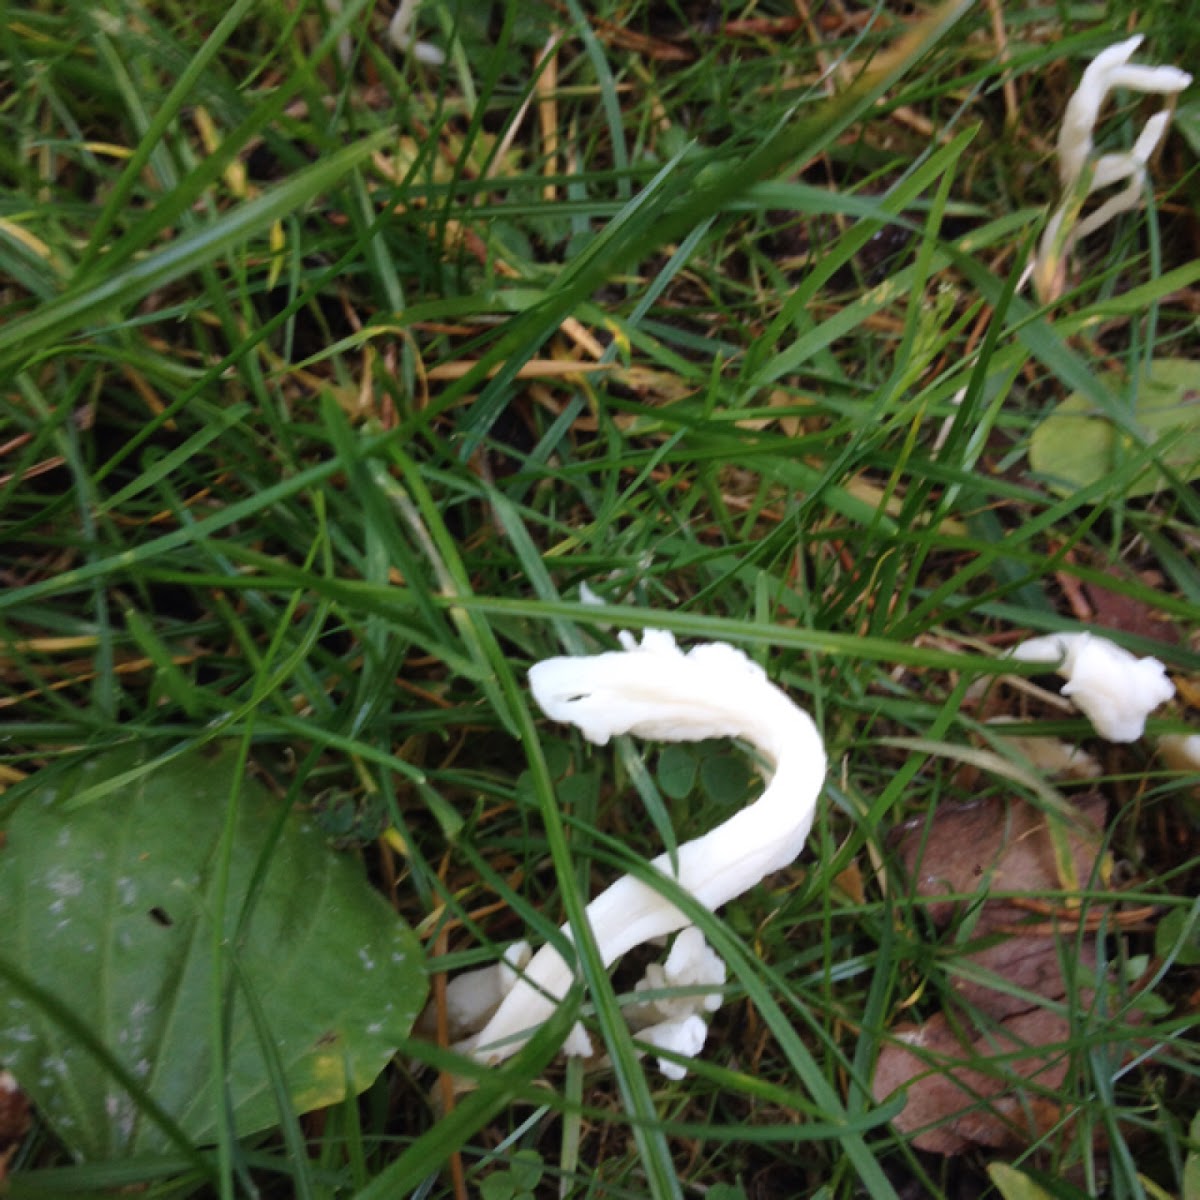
{"x":1115,"y":690}
{"x":673,"y":1020}
{"x":1181,"y":750}
{"x":473,"y":997}
{"x":684,"y":1037}
{"x":692,"y":963}
{"x":654,"y":690}
{"x":1109,"y":69}
{"x":424,"y":52}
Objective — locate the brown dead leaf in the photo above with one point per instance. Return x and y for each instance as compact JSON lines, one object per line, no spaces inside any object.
{"x":984,"y":1071}
{"x":952,"y":1107}
{"x":993,"y":844}
{"x":1115,"y":610}
{"x":1188,"y":689}
{"x":850,"y":883}
{"x":1023,"y":962}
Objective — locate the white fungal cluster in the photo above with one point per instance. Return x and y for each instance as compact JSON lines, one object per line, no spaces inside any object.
{"x":1114,"y":689}
{"x":399,"y":36}
{"x":1081,"y":173}
{"x":676,"y":1022}
{"x":654,"y":690}
{"x":472,"y":998}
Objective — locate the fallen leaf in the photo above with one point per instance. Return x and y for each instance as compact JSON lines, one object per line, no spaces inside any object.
{"x":1130,"y":614}
{"x":986,"y":1070}
{"x":951,"y":1106}
{"x":992,"y":978}
{"x":850,"y":883}
{"x":993,"y":844}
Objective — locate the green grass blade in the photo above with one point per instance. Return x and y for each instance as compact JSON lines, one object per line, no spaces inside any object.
{"x":63,"y":317}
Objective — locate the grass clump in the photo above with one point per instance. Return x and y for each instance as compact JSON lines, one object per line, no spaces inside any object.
{"x":330,"y":377}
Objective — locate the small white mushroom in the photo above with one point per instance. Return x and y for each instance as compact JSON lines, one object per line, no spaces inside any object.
{"x":400,"y":37}
{"x":1109,"y":69}
{"x":1114,"y":689}
{"x":1181,"y":751}
{"x":654,"y":690}
{"x":692,"y":963}
{"x":684,"y":1036}
{"x":472,"y":998}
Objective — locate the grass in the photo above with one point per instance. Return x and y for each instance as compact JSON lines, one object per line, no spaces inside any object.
{"x":327,"y":383}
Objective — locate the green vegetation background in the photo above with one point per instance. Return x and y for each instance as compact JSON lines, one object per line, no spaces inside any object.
{"x":329,"y":378}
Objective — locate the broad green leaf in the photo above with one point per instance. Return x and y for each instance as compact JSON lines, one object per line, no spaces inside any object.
{"x":726,"y":778}
{"x":677,"y":771}
{"x":1178,"y":933}
{"x":1076,"y":446}
{"x":109,"y":913}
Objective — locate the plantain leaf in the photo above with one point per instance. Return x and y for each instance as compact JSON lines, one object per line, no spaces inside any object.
{"x":1076,"y":446}
{"x":107,"y":992}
